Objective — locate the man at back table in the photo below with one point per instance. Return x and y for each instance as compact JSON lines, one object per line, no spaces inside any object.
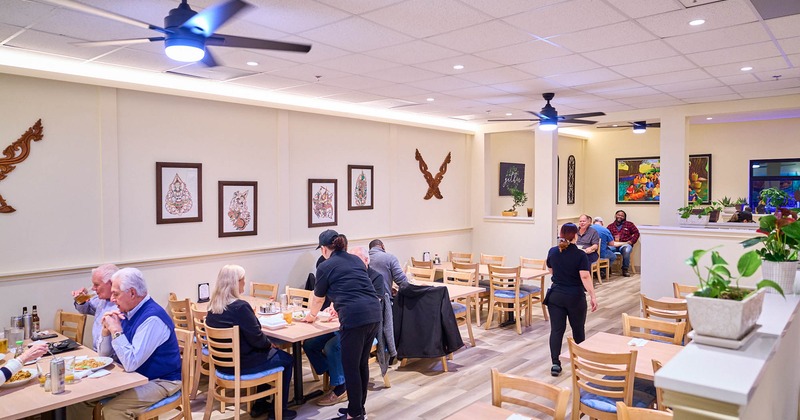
{"x":386,"y":264}
{"x":101,"y":303}
{"x":625,"y":236}
{"x":141,"y":336}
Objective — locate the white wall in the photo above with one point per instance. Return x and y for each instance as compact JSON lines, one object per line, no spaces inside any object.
{"x":511,"y":147}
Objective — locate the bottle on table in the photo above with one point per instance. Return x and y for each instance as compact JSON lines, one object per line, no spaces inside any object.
{"x":436,"y":259}
{"x":19,"y":350}
{"x":35,"y":320}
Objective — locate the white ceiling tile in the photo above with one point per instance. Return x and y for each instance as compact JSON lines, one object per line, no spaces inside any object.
{"x":7,"y":30}
{"x":495,"y":76}
{"x":404,"y":74}
{"x":356,"y":82}
{"x":614,"y":85}
{"x":267,"y":81}
{"x":628,"y":93}
{"x":505,"y":8}
{"x":139,"y":59}
{"x":423,"y":18}
{"x":660,"y":104}
{"x":657,"y":66}
{"x":738,"y":79}
{"x":784,"y":73}
{"x":641,"y":8}
{"x":484,"y":36}
{"x":214,"y":73}
{"x":715,"y":98}
{"x":558,"y":65}
{"x":348,"y":34}
{"x":319,"y":51}
{"x":775,"y":63}
{"x":690,"y":85}
{"x":23,"y":13}
{"x":241,"y":27}
{"x":631,"y":54}
{"x":787,"y":83}
{"x":785,"y":27}
{"x":672,"y":77}
{"x":528,"y":87}
{"x":748,"y":33}
{"x":623,"y":33}
{"x":636,"y":100}
{"x":476,"y":93}
{"x":359,"y":6}
{"x":308,"y":73}
{"x":717,"y":15}
{"x":701,"y":93}
{"x":357,"y":64}
{"x":504,"y":99}
{"x":442,"y":84}
{"x":735,"y":54}
{"x":769,"y":93}
{"x":585,"y":77}
{"x":238,"y":58}
{"x":355,"y":97}
{"x":293,"y":16}
{"x":413,"y":52}
{"x":523,"y":53}
{"x":470,"y":63}
{"x":314,"y":90}
{"x":566,"y":17}
{"x":92,"y":28}
{"x":576,"y":101}
{"x":790,"y":45}
{"x":55,"y":44}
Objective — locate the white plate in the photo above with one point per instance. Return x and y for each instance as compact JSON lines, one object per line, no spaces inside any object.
{"x":268,"y":313}
{"x":299,"y":315}
{"x":104,"y":360}
{"x":723,"y":342}
{"x":15,"y":384}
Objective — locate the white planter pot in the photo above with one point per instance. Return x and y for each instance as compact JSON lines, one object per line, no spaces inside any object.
{"x":782,"y":273}
{"x":724,"y":318}
{"x":694,"y":220}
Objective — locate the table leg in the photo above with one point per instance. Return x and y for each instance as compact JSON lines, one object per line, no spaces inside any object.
{"x":300,"y":397}
{"x":60,"y":413}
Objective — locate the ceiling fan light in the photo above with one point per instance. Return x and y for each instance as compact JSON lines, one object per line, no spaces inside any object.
{"x":184,"y":49}
{"x":548,"y":125}
{"x":639,"y":127}
{"x":639,"y":130}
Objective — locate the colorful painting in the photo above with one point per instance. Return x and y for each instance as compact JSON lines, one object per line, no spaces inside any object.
{"x":179,"y":197}
{"x":700,"y":178}
{"x":512,"y":176}
{"x":322,"y":209}
{"x":638,"y":180}
{"x":238,"y":208}
{"x":359,"y":187}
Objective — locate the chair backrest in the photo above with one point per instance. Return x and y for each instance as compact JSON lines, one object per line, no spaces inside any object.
{"x":644,"y":328}
{"x":422,"y":274}
{"x":493,"y":259}
{"x":559,"y":396}
{"x":504,"y":278}
{"x":461,"y":278}
{"x":632,"y":413}
{"x":604,"y":374}
{"x":460,"y":257}
{"x":668,"y":310}
{"x":71,"y":325}
{"x":223,"y":350}
{"x":264,"y":290}
{"x":421,"y":264}
{"x":535,"y":263}
{"x":180,"y":312}
{"x":681,"y":290}
{"x":659,"y":391}
{"x":199,"y":321}
{"x":185,"y":342}
{"x":303,"y":294}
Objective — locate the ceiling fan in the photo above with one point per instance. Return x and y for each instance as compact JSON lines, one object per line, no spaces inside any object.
{"x":548,"y":118}
{"x":186,"y":33}
{"x":638,"y":126}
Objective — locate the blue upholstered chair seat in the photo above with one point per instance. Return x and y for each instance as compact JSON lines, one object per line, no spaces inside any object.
{"x":204,"y":350}
{"x":459,"y":308}
{"x":644,"y":395}
{"x":530,"y":288}
{"x":249,"y":376}
{"x":508,"y":294}
{"x":165,"y":401}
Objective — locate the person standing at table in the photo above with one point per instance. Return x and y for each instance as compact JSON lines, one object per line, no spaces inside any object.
{"x":257,"y":353}
{"x":566,"y":298}
{"x":99,"y":304}
{"x":15,"y":365}
{"x":343,"y":279}
{"x":587,"y":238}
{"x":387,"y":265}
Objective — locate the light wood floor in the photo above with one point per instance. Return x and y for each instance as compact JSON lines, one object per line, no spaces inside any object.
{"x":422,"y":391}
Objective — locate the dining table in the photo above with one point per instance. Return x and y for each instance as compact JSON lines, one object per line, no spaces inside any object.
{"x":31,"y":399}
{"x":455,"y":291}
{"x":480,"y":410}
{"x":483,"y":270}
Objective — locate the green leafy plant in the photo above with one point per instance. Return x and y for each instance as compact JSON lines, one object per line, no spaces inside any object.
{"x":717,"y":281}
{"x":520,"y":198}
{"x":725,"y":202}
{"x":741,"y":200}
{"x":781,"y":237}
{"x":694,"y":208}
{"x":774,"y":197}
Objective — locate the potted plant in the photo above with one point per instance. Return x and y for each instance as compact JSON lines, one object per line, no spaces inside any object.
{"x":719,"y":309}
{"x":727,"y":204}
{"x":740,"y":203}
{"x":781,"y":240}
{"x":520,"y":197}
{"x":713,"y":210}
{"x":773,"y":197}
{"x":694,"y":209}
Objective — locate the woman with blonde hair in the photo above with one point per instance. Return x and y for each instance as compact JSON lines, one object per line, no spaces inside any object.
{"x":257,"y":352}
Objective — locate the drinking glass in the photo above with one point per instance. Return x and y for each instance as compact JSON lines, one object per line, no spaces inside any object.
{"x":298,"y":302}
{"x":69,"y":369}
{"x":3,"y":343}
{"x":16,"y":334}
{"x":84,"y":297}
{"x":288,"y":312}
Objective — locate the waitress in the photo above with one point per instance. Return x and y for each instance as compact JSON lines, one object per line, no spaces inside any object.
{"x":343,"y":279}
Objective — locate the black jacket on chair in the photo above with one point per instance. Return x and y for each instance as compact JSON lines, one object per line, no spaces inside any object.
{"x":424,"y":323}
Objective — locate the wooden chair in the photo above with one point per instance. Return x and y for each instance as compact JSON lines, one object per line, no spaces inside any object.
{"x":504,"y":290}
{"x":303,"y":294}
{"x":599,"y":265}
{"x":461,"y":307}
{"x":631,"y":413}
{"x":618,"y":262}
{"x":493,"y":259}
{"x":681,"y":290}
{"x":179,"y":400}
{"x":559,"y":396}
{"x":223,"y":349}
{"x":599,"y":380}
{"x":421,"y":264}
{"x":481,"y":298}
{"x":675,"y":311}
{"x":652,"y":329}
{"x":264,"y":290}
{"x":422,"y":274}
{"x":659,"y":391}
{"x":71,"y":324}
{"x":201,"y":348}
{"x":459,"y":257}
{"x":537,"y":292}
{"x":180,"y":312}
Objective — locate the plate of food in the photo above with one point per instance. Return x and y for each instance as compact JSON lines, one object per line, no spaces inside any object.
{"x":91,"y":363}
{"x":299,"y":315}
{"x":20,"y":378}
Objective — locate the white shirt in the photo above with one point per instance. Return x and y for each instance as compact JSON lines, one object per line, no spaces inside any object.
{"x":132,"y":352}
{"x":97,"y":307}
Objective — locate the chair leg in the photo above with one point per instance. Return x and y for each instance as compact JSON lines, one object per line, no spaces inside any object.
{"x":198,"y":367}
{"x":469,"y":328}
{"x":209,"y":400}
{"x":404,"y":362}
{"x":277,"y":397}
{"x":444,"y":363}
{"x":386,"y":382}
{"x":544,"y":310}
{"x":489,"y":316}
{"x":478,"y":308}
{"x":518,"y":318}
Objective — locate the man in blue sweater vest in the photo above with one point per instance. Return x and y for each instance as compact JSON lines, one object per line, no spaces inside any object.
{"x":141,"y":336}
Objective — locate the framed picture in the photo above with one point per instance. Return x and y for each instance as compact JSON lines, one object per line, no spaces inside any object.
{"x":359,"y":187}
{"x":700,"y":178}
{"x":179,"y":192}
{"x":638,"y":180}
{"x":322,"y":209}
{"x":512,"y":176}
{"x":238,"y":208}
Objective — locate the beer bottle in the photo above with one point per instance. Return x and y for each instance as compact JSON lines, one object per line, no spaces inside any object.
{"x":35,"y":320}
{"x":24,"y":310}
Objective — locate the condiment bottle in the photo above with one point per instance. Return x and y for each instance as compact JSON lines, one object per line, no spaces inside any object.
{"x":19,"y":350}
{"x":35,"y":320}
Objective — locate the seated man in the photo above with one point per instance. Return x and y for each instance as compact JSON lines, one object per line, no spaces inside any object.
{"x":625,"y":236}
{"x":101,"y":303}
{"x":141,"y":336}
{"x":605,"y":239}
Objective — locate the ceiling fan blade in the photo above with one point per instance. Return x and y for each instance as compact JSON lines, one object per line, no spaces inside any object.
{"x":208,"y":60}
{"x":520,"y":119}
{"x":118,"y":42}
{"x":80,"y":7}
{"x":620,"y":126}
{"x":207,"y":21}
{"x":221,"y":40}
{"x":540,"y":116}
{"x":654,"y":125}
{"x":584,"y":115}
{"x":572,"y":121}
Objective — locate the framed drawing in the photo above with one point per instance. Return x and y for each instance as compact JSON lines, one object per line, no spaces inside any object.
{"x":359,"y":187}
{"x":322,"y":209}
{"x":700,"y":178}
{"x":179,"y":192}
{"x":238,"y":208}
{"x":638,"y":180}
{"x":512,"y":176}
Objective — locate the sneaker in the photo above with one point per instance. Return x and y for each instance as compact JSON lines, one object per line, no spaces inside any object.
{"x":332,"y":399}
{"x":625,"y":272}
{"x":555,"y":370}
{"x":343,"y":411}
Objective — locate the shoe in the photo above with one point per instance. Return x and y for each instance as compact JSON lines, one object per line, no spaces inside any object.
{"x":287,"y":415}
{"x":555,"y":370}
{"x":332,"y":399}
{"x":260,"y":408}
{"x":626,"y":273}
{"x":343,"y":411}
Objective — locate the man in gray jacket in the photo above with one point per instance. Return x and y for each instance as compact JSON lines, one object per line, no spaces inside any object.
{"x":386,"y":264}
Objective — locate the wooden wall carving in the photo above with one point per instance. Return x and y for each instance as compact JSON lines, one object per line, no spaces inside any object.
{"x":14,"y":154}
{"x":571,"y":179}
{"x":433,"y":181}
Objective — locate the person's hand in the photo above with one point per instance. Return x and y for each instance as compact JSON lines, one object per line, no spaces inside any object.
{"x":331,"y":311}
{"x":594,"y":303}
{"x":310,"y":318}
{"x":81,"y":291}
{"x":111,"y":321}
{"x":34,"y":352}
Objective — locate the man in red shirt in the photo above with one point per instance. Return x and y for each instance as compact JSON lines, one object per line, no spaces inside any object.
{"x":625,"y":236}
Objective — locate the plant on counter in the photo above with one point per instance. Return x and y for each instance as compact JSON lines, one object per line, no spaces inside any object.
{"x":774,"y":197}
{"x":725,"y":202}
{"x":520,"y":198}
{"x":717,"y":281}
{"x":741,"y":200}
{"x":694,"y":208}
{"x":781,"y":237}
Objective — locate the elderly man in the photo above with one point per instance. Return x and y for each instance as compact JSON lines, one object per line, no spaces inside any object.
{"x":625,"y":236}
{"x":141,"y":336}
{"x":605,"y":239}
{"x":99,"y":304}
{"x":386,"y":264}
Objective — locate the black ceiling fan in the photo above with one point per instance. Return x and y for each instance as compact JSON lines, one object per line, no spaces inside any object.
{"x":548,"y":117}
{"x":638,"y":126}
{"x":186,"y":33}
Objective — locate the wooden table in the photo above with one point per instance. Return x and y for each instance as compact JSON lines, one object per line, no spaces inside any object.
{"x":455,"y":291}
{"x":31,"y":399}
{"x":483,"y":411}
{"x":525,"y":273}
{"x":613,"y":343}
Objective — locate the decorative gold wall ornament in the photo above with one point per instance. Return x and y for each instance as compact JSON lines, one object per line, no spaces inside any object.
{"x":433,"y":182}
{"x":16,"y":153}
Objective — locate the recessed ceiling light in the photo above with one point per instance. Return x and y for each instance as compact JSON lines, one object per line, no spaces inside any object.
{"x":458,"y":67}
{"x":709,"y":118}
{"x":615,"y":125}
{"x":508,"y":114}
{"x":746,"y":68}
{"x":252,"y":63}
{"x":430,"y":99}
{"x":697,"y":22}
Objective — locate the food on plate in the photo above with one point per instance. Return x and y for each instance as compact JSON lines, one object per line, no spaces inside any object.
{"x":87,"y":364}
{"x":20,"y":376}
{"x":299,"y":315}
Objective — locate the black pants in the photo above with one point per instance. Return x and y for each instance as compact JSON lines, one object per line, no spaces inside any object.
{"x":561,"y":307}
{"x":356,"y":344}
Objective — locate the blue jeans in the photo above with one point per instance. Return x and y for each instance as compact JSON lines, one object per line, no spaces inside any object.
{"x":325,"y":354}
{"x":625,"y":250}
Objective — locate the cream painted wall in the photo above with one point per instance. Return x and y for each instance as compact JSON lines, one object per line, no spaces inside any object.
{"x":576,"y":147}
{"x":512,"y":147}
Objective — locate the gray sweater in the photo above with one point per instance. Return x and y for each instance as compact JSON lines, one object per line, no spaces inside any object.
{"x":387,"y":264}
